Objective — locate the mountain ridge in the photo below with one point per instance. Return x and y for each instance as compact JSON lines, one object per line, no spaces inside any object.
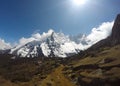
{"x":111,"y":40}
{"x":50,"y":44}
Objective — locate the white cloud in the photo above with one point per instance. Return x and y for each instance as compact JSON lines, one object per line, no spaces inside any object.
{"x":36,"y":36}
{"x":45,"y":35}
{"x":99,"y":33}
{"x":4,"y":45}
{"x":23,"y":40}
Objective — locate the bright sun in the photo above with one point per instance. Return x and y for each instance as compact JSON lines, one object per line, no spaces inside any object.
{"x":79,"y":2}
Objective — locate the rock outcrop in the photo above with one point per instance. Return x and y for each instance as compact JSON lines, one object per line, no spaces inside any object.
{"x":115,"y":36}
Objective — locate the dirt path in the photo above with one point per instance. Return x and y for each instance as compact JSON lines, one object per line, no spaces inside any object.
{"x":57,"y":78}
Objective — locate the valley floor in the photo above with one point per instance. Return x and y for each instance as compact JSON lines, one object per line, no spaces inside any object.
{"x":96,"y":68}
{"x":57,"y":78}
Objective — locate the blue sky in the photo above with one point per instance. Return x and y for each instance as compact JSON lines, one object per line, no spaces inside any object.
{"x":21,"y":18}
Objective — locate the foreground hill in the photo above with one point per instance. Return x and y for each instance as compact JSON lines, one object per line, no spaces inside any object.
{"x":96,"y":69}
{"x":24,"y":71}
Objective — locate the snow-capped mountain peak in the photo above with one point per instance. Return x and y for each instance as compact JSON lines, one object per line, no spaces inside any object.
{"x":50,"y":44}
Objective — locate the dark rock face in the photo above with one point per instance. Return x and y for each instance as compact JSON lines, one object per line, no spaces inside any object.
{"x":97,"y":82}
{"x":115,"y":36}
{"x":5,"y":51}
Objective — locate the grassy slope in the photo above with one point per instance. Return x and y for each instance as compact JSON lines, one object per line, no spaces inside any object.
{"x":57,"y":78}
{"x":110,"y":53}
{"x":102,"y":67}
{"x":25,"y":72}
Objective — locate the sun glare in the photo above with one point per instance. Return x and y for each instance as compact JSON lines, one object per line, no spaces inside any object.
{"x":79,"y":2}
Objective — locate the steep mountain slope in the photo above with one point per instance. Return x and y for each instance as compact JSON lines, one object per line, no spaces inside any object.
{"x":100,"y":68}
{"x":100,"y":64}
{"x":113,"y":39}
{"x":115,"y":36}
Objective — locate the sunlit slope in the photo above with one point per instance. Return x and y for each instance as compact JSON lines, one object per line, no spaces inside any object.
{"x":97,"y":67}
{"x":57,"y":78}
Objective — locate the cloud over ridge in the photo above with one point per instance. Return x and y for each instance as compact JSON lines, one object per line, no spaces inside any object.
{"x":97,"y":34}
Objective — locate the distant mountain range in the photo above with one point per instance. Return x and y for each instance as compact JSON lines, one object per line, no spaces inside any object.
{"x":51,"y":44}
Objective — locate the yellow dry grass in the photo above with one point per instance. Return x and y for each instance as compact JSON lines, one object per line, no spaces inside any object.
{"x":57,"y":78}
{"x":112,"y":53}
